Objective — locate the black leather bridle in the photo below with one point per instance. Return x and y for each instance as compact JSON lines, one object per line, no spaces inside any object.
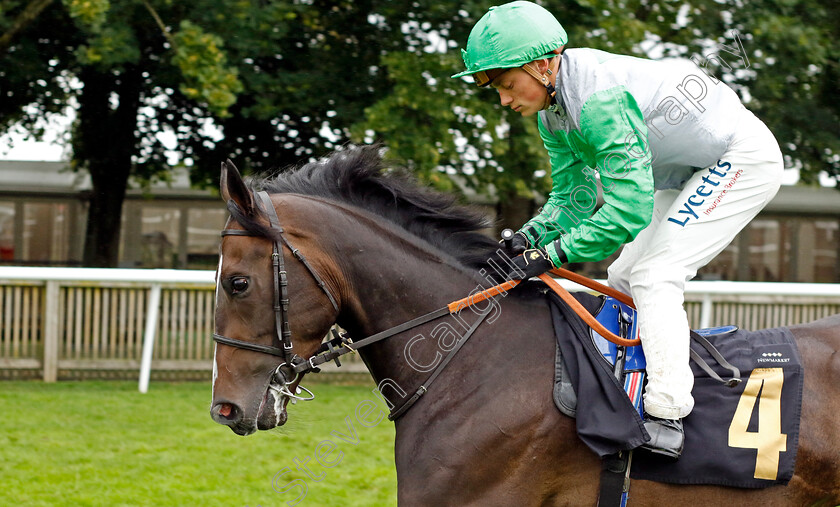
{"x":286,"y":373}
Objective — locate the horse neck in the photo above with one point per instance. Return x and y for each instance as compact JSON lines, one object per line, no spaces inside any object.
{"x":389,"y":278}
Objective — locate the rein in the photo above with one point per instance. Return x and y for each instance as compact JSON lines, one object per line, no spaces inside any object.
{"x":294,"y":366}
{"x":566,"y":297}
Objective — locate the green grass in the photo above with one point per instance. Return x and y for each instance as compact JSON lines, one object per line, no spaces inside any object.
{"x":103,"y":443}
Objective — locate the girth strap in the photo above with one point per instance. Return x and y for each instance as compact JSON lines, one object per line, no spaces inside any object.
{"x":615,"y":480}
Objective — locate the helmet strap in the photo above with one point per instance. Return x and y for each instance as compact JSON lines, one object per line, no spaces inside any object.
{"x":543,"y":78}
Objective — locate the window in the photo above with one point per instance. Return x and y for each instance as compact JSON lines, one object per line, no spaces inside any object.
{"x":817,"y":244}
{"x":203,"y":228}
{"x":160,"y":236}
{"x":46,"y":233}
{"x":724,"y":266}
{"x":174,"y":236}
{"x":7,"y":231}
{"x":781,"y":249}
{"x":767,"y":249}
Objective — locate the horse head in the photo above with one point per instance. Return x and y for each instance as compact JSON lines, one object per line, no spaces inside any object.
{"x":358,"y":245}
{"x":258,"y":344}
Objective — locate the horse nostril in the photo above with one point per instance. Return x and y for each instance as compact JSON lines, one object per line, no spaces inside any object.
{"x":226,"y":413}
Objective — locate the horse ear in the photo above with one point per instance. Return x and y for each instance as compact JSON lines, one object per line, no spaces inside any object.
{"x":233,"y":188}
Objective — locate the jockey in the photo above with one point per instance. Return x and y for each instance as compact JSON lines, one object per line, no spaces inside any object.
{"x":682,"y":165}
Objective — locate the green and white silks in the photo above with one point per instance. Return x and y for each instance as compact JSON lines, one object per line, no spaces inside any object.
{"x":641,"y":125}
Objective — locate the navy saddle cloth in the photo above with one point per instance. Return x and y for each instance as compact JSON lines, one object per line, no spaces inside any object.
{"x":744,"y":436}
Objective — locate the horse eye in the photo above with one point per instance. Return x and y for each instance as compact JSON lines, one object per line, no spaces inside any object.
{"x":239,"y":285}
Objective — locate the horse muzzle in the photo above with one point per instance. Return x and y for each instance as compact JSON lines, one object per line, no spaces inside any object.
{"x":270,"y":413}
{"x":231,"y":415}
{"x":271,"y":410}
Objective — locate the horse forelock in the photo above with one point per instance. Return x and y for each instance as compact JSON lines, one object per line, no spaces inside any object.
{"x":256,"y":225}
{"x":358,"y":177}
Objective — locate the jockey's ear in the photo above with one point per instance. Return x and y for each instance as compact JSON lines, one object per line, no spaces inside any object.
{"x":233,"y":188}
{"x":543,"y":63}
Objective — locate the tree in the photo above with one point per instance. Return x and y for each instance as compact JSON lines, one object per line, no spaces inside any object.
{"x":23,"y":19}
{"x":113,"y":58}
{"x":281,"y":80}
{"x":787,"y":72}
{"x":272,"y":83}
{"x":796,"y":84}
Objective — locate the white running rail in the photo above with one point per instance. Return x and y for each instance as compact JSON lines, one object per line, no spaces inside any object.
{"x":50,"y":281}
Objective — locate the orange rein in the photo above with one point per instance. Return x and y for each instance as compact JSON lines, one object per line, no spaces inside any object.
{"x":564,"y":295}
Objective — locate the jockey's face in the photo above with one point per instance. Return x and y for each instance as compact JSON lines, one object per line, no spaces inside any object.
{"x":521,"y":92}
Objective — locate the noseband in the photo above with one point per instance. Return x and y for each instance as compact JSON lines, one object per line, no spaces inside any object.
{"x":288,"y":371}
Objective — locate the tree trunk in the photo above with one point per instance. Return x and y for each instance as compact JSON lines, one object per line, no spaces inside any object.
{"x":104,"y":144}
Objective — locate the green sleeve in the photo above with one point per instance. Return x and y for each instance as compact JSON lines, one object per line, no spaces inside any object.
{"x":613,"y":128}
{"x":573,"y":194}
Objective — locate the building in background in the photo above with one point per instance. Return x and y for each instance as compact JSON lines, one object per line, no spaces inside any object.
{"x":43,"y":208}
{"x":796,"y":238}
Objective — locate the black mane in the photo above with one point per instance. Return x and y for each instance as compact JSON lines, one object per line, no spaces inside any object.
{"x":358,"y":177}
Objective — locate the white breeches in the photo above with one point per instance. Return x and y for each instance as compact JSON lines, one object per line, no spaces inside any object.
{"x":689,"y":228}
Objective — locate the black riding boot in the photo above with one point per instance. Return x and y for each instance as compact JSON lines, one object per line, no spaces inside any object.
{"x":666,"y":436}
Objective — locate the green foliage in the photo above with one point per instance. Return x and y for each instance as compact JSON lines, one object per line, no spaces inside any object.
{"x":89,"y":14}
{"x":443,"y":127}
{"x":423,"y":100}
{"x":109,"y":47}
{"x":207,"y":77}
{"x":789,"y":77}
{"x":30,"y":77}
{"x":119,"y":38}
{"x":796,"y":87}
{"x":275,"y":76}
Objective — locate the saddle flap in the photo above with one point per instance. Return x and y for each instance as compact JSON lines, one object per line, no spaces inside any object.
{"x":621,"y":320}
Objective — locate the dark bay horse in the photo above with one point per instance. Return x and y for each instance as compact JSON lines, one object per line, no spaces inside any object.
{"x":487,"y":432}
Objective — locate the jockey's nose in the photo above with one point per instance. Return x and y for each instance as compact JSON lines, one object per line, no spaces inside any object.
{"x":504,"y":98}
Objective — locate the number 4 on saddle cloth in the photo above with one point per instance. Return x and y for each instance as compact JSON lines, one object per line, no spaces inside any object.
{"x":740,"y":434}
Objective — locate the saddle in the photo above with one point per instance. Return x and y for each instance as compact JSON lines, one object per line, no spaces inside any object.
{"x":629,"y":362}
{"x":731,"y":439}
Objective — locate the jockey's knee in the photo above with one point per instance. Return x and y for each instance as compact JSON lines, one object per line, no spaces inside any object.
{"x":618,"y":277}
{"x":653,"y":280}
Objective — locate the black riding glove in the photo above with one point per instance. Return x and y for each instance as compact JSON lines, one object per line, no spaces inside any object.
{"x":533,"y":262}
{"x":518,"y":244}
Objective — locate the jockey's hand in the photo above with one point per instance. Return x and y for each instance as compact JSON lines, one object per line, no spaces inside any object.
{"x":515,"y":246}
{"x":519,"y":244}
{"x":531,"y":263}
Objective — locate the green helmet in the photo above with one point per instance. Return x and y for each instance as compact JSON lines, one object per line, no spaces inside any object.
{"x":510,"y":36}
